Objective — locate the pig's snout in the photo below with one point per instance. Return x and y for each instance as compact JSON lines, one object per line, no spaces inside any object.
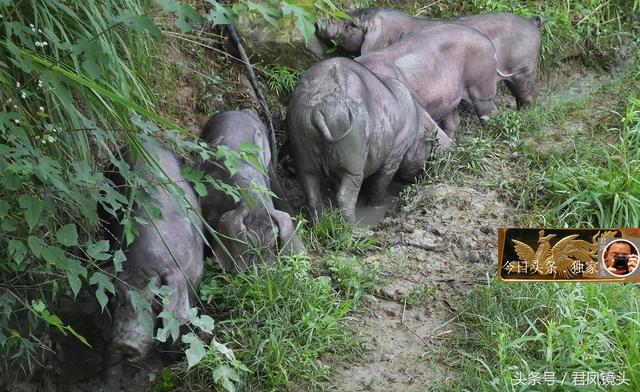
{"x":131,"y":351}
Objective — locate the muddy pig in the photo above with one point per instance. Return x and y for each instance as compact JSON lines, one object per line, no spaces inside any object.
{"x":517,"y":40}
{"x":442,"y":66}
{"x":250,"y":231}
{"x":168,"y":251}
{"x":347,"y":123}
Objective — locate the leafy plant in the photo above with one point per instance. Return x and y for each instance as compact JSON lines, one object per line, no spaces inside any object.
{"x":285,"y":324}
{"x":281,"y":79}
{"x":332,"y":233}
{"x":513,"y":331}
{"x":600,"y":187}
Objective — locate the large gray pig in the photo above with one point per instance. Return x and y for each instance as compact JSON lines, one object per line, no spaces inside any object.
{"x":442,"y":66}
{"x":347,"y":123}
{"x":168,"y":251}
{"x":251,"y":229}
{"x":517,"y":40}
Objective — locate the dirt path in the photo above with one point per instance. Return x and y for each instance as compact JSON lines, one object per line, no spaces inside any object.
{"x":443,"y":242}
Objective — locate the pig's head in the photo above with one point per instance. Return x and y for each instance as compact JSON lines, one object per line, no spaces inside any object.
{"x":347,"y":34}
{"x":132,"y":335}
{"x":251,"y":236}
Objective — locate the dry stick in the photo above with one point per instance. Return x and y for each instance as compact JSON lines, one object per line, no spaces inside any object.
{"x":283,"y":203}
{"x":404,"y":307}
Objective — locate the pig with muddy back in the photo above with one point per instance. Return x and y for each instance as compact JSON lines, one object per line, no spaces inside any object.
{"x":168,"y":251}
{"x":251,"y":230}
{"x":442,"y":66}
{"x":516,"y":39}
{"x":347,"y":123}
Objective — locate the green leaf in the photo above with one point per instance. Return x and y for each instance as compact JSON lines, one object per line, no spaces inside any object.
{"x":17,"y":250}
{"x":73,"y":270}
{"x":185,"y":13}
{"x":225,"y":375}
{"x":204,"y":322}
{"x":104,"y":284}
{"x":93,"y":54}
{"x":67,"y":235}
{"x":200,"y":189}
{"x":4,"y":208}
{"x":10,"y":180}
{"x":52,"y":254}
{"x":171,"y":326}
{"x":224,"y":350}
{"x":39,"y":307}
{"x":35,"y":244}
{"x":140,"y":23}
{"x":138,"y":301}
{"x":118,"y":259}
{"x":146,"y":126}
{"x":302,"y":19}
{"x":268,"y":13}
{"x":219,"y":15}
{"x":142,"y":307}
{"x":98,"y":250}
{"x":196,"y":350}
{"x":250,"y":153}
{"x":9,"y":224}
{"x":33,"y":207}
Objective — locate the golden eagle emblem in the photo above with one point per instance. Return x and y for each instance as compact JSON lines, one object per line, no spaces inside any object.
{"x":569,"y":257}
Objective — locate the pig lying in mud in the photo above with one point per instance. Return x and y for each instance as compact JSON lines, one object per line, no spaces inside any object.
{"x":442,"y":66}
{"x":516,"y":39}
{"x":167,"y":251}
{"x":250,"y":231}
{"x":346,"y":123}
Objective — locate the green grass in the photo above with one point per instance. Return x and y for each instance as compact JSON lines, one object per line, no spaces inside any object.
{"x":559,"y":176}
{"x":596,"y":186}
{"x":517,"y":329}
{"x":286,"y":325}
{"x":280,"y":79}
{"x":593,"y":30}
{"x":332,"y":233}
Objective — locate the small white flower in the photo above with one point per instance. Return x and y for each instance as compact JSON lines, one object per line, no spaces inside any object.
{"x":40,"y":31}
{"x":41,"y":109}
{"x":16,"y":121}
{"x":1,"y":16}
{"x":54,"y":130}
{"x":44,"y":43}
{"x":18,"y":84}
{"x":15,"y":107}
{"x":51,"y":139}
{"x":43,"y":141}
{"x":23,"y":94}
{"x":40,"y":83}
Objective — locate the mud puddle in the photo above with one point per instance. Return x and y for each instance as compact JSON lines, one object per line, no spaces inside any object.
{"x":369,"y":216}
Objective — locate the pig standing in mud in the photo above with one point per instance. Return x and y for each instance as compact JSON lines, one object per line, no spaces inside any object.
{"x":517,"y":40}
{"x":252,"y":229}
{"x":347,"y":123}
{"x":442,"y":66}
{"x":168,"y":251}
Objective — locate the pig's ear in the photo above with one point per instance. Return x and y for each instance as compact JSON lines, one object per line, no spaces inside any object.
{"x":178,"y":301}
{"x":285,"y":225}
{"x":288,"y":240}
{"x":231,"y":223}
{"x":372,"y":31}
